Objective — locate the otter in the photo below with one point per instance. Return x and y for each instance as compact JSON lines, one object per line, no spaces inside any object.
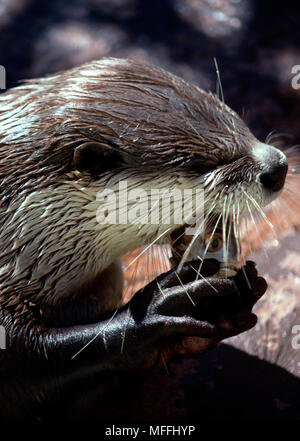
{"x":65,"y":138}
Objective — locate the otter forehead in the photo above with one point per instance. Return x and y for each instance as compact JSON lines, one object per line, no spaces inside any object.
{"x":133,"y":107}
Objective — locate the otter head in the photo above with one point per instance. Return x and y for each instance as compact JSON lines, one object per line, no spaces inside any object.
{"x":67,"y":138}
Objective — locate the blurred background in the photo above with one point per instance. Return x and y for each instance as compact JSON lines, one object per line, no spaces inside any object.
{"x":256,"y":44}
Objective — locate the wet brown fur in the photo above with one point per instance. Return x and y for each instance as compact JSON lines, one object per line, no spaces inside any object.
{"x":131,"y":107}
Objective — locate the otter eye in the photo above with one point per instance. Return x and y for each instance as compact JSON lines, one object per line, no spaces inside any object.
{"x":96,"y":158}
{"x":200,"y":166}
{"x":215,"y":242}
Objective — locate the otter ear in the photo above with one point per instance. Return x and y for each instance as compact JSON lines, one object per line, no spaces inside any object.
{"x":95,"y":158}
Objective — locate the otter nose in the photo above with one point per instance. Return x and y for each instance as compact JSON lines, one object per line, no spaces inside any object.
{"x":274,"y":178}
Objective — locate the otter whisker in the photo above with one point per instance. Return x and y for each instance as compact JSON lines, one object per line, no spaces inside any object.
{"x":252,"y":217}
{"x":294,"y":149}
{"x":154,"y":251}
{"x":160,"y":261}
{"x":189,"y":247}
{"x":230,"y":220}
{"x":202,"y":277}
{"x":195,"y":237}
{"x":246,"y":277}
{"x":224,"y":229}
{"x":165,"y":253}
{"x":160,"y":289}
{"x":269,"y":136}
{"x":283,"y":210}
{"x":273,"y":135}
{"x":154,"y":254}
{"x":235,"y":227}
{"x":164,"y":362}
{"x":258,"y":207}
{"x":219,"y":84}
{"x":149,"y":246}
{"x":151,"y":254}
{"x":125,"y":330}
{"x":236,"y":214}
{"x":208,"y":244}
{"x":255,"y":226}
{"x":247,"y":233}
{"x":185,"y":290}
{"x":95,"y":336}
{"x":225,"y":235}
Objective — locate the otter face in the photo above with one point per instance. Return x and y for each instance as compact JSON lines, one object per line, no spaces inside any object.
{"x":69,"y":136}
